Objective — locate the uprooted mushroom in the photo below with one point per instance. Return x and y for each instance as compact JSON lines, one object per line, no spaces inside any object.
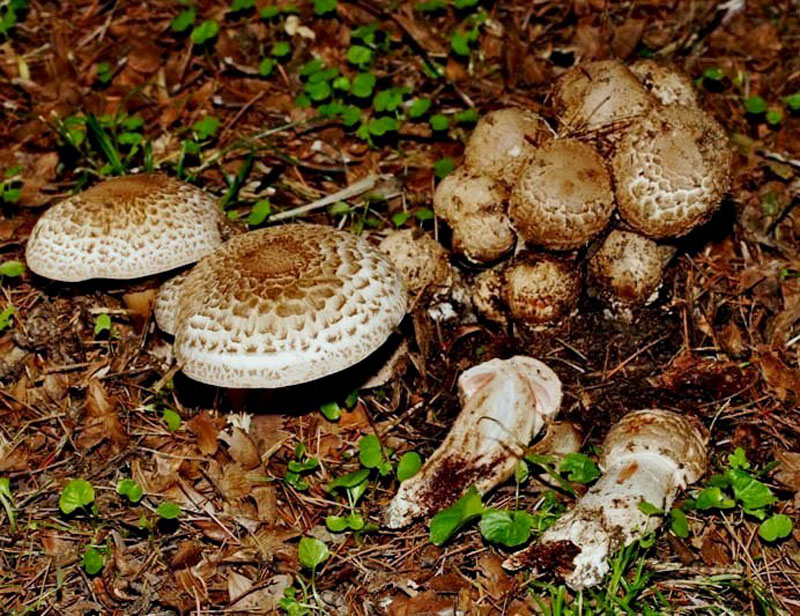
{"x":504,"y":404}
{"x":647,"y":457}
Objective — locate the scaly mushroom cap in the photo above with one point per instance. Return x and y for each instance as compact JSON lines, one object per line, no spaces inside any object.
{"x":541,"y":290}
{"x":660,"y":433}
{"x":473,"y":206}
{"x":666,"y":82}
{"x":671,"y":170}
{"x":563,"y":196}
{"x":285,"y":305}
{"x":123,"y":228}
{"x":599,"y":96}
{"x":628,"y":267}
{"x":502,"y":140}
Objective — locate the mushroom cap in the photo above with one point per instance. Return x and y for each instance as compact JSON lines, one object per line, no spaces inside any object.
{"x":666,"y":82}
{"x":563,"y":196}
{"x":661,"y":433}
{"x":541,"y":289}
{"x":671,"y":170}
{"x":421,"y":260}
{"x":484,"y":237}
{"x":123,"y":228}
{"x":165,"y":309}
{"x":473,"y":206}
{"x":465,"y":192}
{"x":286,"y":305}
{"x":628,"y":267}
{"x":599,"y":96}
{"x":501,"y":141}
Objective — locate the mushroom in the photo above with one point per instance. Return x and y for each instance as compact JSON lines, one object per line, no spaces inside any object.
{"x":626,"y":271}
{"x":647,"y":457}
{"x":124,"y":228}
{"x":501,"y":141}
{"x":422,"y":261}
{"x":671,"y":170}
{"x":563,"y":196}
{"x":599,"y":96}
{"x":285,"y":305}
{"x":505,"y":403}
{"x":541,"y":290}
{"x":429,"y":278}
{"x":473,"y":206}
{"x":666,"y":82}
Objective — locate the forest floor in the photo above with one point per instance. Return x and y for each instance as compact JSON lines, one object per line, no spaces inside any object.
{"x":228,"y":95}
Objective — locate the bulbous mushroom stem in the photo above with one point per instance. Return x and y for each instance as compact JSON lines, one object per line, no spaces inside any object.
{"x":505,"y":403}
{"x":649,"y":455}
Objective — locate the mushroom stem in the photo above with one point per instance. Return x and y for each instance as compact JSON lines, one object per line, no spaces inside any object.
{"x":648,"y":455}
{"x":505,"y":403}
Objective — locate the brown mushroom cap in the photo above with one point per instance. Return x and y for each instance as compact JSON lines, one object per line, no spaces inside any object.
{"x":465,"y":192}
{"x":501,"y":141}
{"x":661,"y":433}
{"x":124,"y":228}
{"x":285,"y":305}
{"x":473,"y":206}
{"x":671,"y":170}
{"x":599,"y":96}
{"x":421,"y":260}
{"x":627,"y":268}
{"x":666,"y":82}
{"x":563,"y":196}
{"x":541,"y":289}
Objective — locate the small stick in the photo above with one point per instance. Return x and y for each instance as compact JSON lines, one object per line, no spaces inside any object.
{"x":362,"y":186}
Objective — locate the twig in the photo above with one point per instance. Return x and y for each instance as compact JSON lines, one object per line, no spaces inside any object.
{"x":362,"y":186}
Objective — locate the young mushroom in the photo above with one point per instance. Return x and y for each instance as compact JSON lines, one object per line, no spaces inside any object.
{"x":502,"y":140}
{"x":540,"y":290}
{"x":124,"y":228}
{"x":647,"y":457}
{"x":626,"y":270}
{"x":473,"y":206}
{"x":283,"y":306}
{"x":600,"y":97}
{"x":666,"y":82}
{"x":563,"y":196}
{"x":504,"y":404}
{"x":429,"y":278}
{"x":671,"y":170}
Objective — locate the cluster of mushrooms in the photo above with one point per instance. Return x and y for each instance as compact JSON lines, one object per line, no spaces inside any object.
{"x":294,"y":303}
{"x":635,"y":164}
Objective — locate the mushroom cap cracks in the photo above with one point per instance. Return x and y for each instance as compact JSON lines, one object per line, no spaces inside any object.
{"x":563,"y":196}
{"x":285,"y":305}
{"x":123,"y":228}
{"x":671,"y":170}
